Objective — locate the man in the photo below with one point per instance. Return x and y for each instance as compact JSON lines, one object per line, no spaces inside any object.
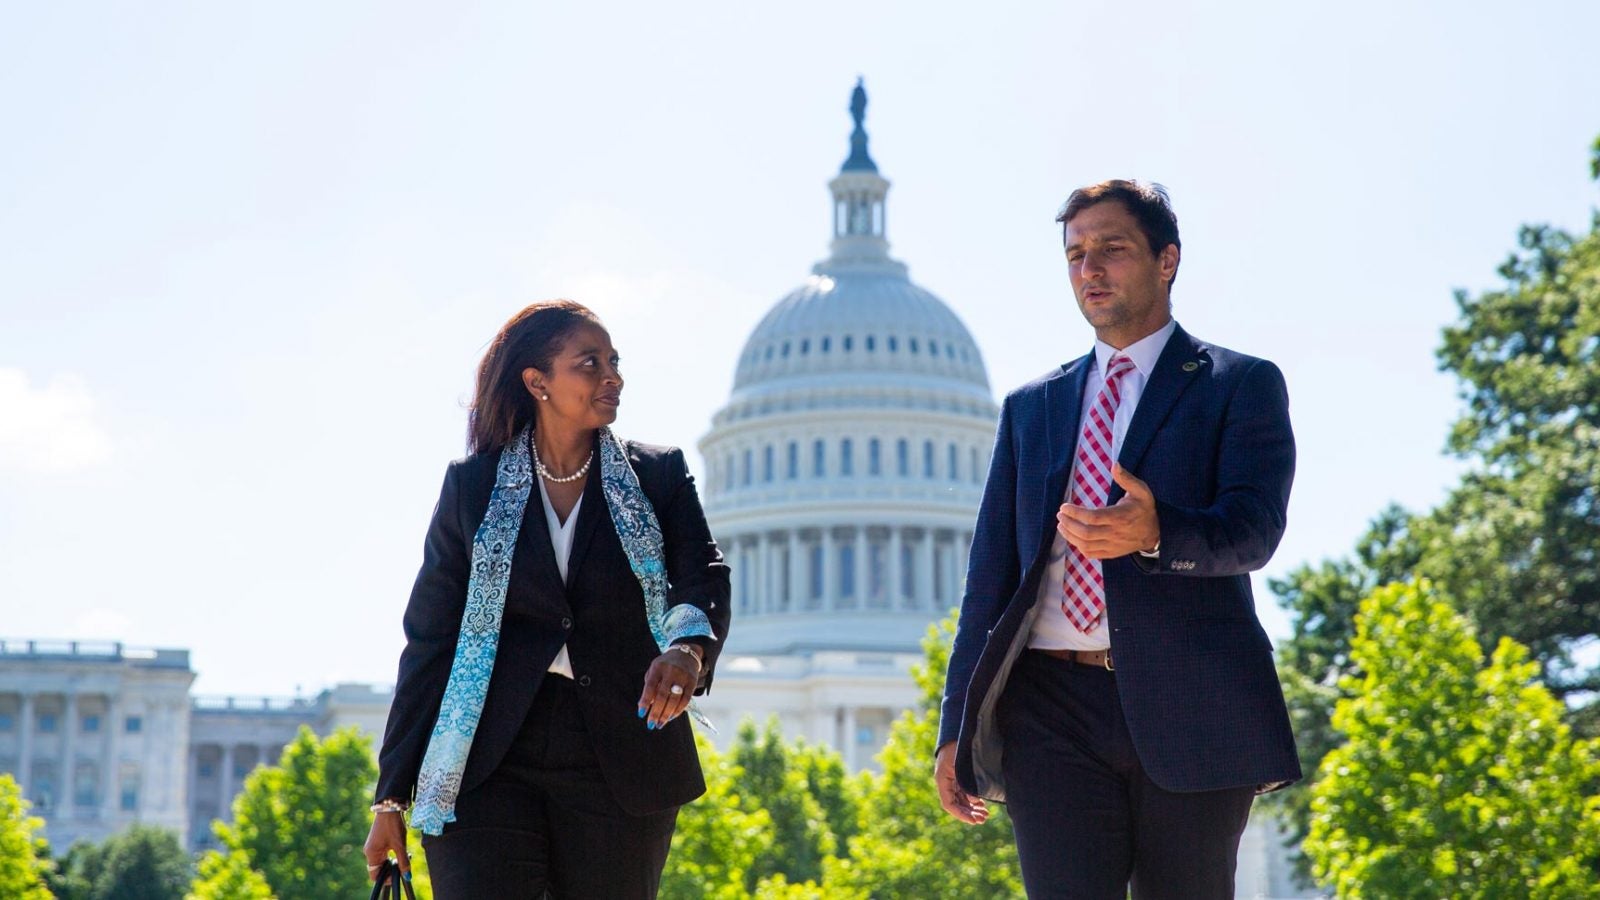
{"x":1109,"y":680}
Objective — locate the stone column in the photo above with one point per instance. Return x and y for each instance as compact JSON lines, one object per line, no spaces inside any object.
{"x":111,"y":776}
{"x":25,"y":762}
{"x":963,"y":558}
{"x":797,"y":581}
{"x":764,"y":567}
{"x":896,"y":601}
{"x":227,"y":775}
{"x":861,"y":567}
{"x":850,"y":739}
{"x":191,"y":791}
{"x":924,"y":571}
{"x":947,"y":560}
{"x":830,"y":570}
{"x":69,"y":764}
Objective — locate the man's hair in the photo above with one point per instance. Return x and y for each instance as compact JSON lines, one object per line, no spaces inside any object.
{"x":1146,"y":201}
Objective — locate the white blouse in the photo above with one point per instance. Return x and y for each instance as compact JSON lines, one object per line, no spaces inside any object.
{"x":561,"y":543}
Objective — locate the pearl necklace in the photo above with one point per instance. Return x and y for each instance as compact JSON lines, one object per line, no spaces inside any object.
{"x":544,"y":473}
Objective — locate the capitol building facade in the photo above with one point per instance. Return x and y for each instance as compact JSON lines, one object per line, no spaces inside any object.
{"x":843,"y":478}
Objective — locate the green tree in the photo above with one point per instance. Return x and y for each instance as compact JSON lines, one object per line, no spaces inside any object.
{"x":144,"y":862}
{"x":907,"y":845}
{"x":228,"y":876}
{"x":1517,"y":543}
{"x":771,"y":779}
{"x":719,"y":837}
{"x":24,"y":856}
{"x":301,"y":823}
{"x":1456,"y":779}
{"x":1322,"y":601}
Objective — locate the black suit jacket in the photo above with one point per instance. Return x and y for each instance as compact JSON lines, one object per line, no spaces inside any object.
{"x":1194,"y":668}
{"x":599,"y":614}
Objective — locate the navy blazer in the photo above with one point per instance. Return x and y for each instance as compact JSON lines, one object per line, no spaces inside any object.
{"x":598,"y":613}
{"x":1194,"y":669}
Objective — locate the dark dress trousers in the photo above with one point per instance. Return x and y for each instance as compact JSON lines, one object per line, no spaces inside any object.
{"x":1194,"y":683}
{"x":599,"y":614}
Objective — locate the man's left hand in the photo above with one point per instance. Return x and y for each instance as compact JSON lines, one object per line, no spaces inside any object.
{"x":1125,"y":527}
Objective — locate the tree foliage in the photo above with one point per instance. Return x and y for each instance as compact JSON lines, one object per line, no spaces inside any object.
{"x":228,"y":876}
{"x":24,"y":855}
{"x":144,"y":862}
{"x":1457,"y":779}
{"x":1516,"y":544}
{"x":907,"y":845}
{"x":717,"y":841}
{"x":771,"y":779}
{"x":301,"y":824}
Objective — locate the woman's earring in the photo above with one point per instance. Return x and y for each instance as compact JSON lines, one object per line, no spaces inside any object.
{"x":544,"y":396}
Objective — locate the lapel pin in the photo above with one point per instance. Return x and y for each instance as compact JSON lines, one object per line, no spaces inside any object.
{"x":1190,"y":366}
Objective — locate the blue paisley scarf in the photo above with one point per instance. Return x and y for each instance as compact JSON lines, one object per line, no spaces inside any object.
{"x":439,"y":780}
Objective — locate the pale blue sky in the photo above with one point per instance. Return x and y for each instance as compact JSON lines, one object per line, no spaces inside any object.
{"x":250,"y":253}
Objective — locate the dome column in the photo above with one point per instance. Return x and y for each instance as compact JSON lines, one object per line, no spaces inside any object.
{"x":861,"y":561}
{"x":797,"y":582}
{"x":896,"y":600}
{"x":924,"y":570}
{"x":830,"y":571}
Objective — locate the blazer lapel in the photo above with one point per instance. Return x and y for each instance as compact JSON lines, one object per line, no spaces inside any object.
{"x":591,"y":512}
{"x":1183,"y":359}
{"x":1064,"y":405}
{"x":534,"y":546}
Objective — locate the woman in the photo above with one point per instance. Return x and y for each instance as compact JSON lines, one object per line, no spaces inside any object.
{"x":570,"y":602}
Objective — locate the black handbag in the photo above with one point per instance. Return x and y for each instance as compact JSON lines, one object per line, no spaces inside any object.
{"x":390,"y":882}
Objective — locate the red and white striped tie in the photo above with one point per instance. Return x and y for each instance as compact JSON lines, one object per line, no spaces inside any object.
{"x":1083,"y":584}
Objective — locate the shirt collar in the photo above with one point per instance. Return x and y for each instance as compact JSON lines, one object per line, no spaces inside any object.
{"x":1144,"y":352}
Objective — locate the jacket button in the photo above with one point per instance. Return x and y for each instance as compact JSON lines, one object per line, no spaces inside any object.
{"x":583,"y":681}
{"x":566,"y":622}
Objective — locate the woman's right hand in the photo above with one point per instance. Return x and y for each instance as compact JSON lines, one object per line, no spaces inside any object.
{"x":387,"y":835}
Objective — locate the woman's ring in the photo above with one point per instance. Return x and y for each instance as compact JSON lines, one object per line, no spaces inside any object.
{"x":676,"y":689}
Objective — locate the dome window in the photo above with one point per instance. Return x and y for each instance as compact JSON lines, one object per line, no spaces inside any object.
{"x":805,"y":346}
{"x":845,"y":344}
{"x":933,"y":347}
{"x":949,"y":351}
{"x":769,"y":352}
{"x":913,"y":345}
{"x":785,"y":349}
{"x":825,"y":342}
{"x":892,"y":346}
{"x":872,"y":343}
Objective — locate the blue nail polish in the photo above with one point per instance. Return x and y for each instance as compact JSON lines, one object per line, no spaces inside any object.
{"x":652,"y":726}
{"x":406,"y":875}
{"x":641,"y":712}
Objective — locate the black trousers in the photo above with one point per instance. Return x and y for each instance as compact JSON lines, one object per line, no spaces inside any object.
{"x":545,"y":821}
{"x":1088,"y":821}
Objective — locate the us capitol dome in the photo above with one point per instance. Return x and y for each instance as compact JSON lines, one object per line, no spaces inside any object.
{"x":843,"y":479}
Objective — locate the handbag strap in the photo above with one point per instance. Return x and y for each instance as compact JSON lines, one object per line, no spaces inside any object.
{"x":390,"y":881}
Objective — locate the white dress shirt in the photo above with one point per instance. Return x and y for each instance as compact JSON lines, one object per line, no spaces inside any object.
{"x":561,"y":543}
{"x":1051,"y":629}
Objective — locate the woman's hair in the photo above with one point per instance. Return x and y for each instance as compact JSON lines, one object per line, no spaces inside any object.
{"x":501,"y":406}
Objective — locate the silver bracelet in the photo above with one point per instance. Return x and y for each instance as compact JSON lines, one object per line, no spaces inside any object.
{"x":391,"y":804}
